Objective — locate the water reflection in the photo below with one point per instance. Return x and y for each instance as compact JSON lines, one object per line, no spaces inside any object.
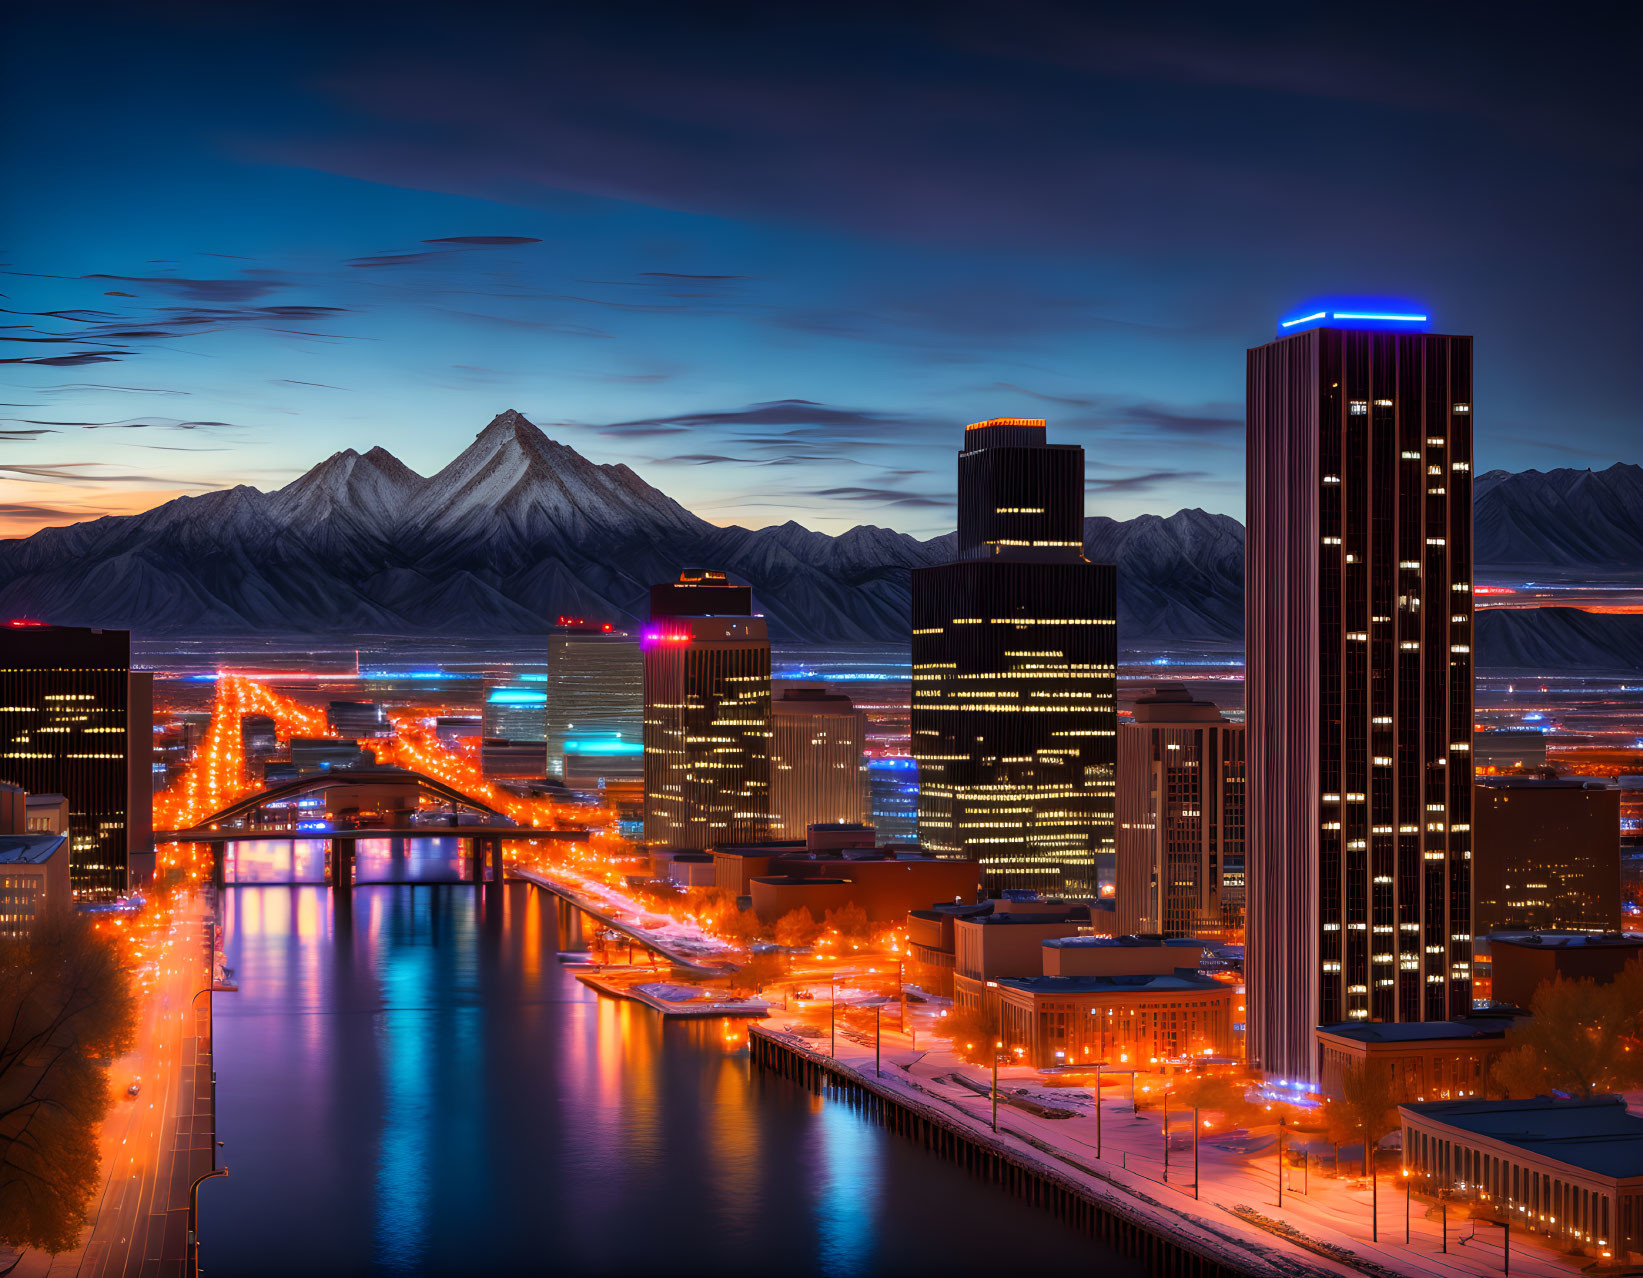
{"x":410,"y":1083}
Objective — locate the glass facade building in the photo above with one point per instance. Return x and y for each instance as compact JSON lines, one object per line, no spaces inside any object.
{"x":595,"y":706}
{"x":1358,"y":694}
{"x":707,"y":715}
{"x":1014,"y":712}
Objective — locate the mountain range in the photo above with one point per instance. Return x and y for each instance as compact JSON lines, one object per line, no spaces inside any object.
{"x":518,"y":530}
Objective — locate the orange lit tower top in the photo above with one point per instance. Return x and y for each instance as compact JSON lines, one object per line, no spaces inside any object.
{"x":1018,"y":495}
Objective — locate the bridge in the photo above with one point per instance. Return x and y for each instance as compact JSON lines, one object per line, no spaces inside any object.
{"x":378,"y":796}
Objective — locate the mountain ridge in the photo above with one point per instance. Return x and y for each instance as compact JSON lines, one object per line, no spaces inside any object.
{"x":518,"y":529}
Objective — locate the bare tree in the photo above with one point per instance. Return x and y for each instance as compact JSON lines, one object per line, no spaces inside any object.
{"x":1583,"y":1038}
{"x":66,"y":1008}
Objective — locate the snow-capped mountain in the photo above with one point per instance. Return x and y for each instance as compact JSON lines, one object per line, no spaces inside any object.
{"x":518,"y":530}
{"x":1557,"y":522}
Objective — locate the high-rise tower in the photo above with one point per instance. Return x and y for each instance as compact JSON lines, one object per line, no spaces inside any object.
{"x":707,"y":714}
{"x":1358,"y":650}
{"x":1180,"y":818}
{"x":1014,"y":665}
{"x":76,"y":720}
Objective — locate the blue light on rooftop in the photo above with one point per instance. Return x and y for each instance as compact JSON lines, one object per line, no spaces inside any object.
{"x":516,"y":697}
{"x":602,"y":745}
{"x":1373,"y":314}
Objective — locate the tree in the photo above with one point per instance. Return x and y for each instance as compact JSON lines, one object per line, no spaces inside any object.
{"x":849,"y":921}
{"x":797,"y":927}
{"x":1582,"y":1038}
{"x":974,"y":1031}
{"x":758,"y":973}
{"x":1224,"y":1094}
{"x":741,"y":927}
{"x":66,"y":1007}
{"x":1367,"y":1108}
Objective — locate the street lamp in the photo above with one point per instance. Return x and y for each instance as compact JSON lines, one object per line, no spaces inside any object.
{"x":193,"y":1265}
{"x":1098,"y":1108}
{"x":1406,"y":1187}
{"x":1166,"y":1129}
{"x":997,"y":1046}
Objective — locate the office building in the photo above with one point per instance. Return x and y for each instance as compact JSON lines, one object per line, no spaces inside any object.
{"x":356,"y":719}
{"x":516,"y":710}
{"x":892,"y":797}
{"x":1546,"y":855}
{"x":595,"y":706}
{"x":818,"y":774}
{"x":34,"y":879}
{"x":1014,"y":708}
{"x":1358,"y":679}
{"x":1570,"y":1170}
{"x":1180,"y":818}
{"x":707,"y":714}
{"x":1523,"y":962}
{"x":76,"y":720}
{"x":1424,"y":1060}
{"x":258,"y":736}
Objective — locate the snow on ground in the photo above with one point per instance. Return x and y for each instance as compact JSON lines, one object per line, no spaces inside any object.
{"x":1131,"y":1169}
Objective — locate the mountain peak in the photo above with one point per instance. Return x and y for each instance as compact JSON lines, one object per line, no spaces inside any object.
{"x":510,"y":423}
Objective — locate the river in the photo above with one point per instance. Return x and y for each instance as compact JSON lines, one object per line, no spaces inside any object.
{"x":417,"y":1085}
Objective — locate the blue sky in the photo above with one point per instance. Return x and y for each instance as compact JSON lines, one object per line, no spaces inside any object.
{"x":775,"y":261}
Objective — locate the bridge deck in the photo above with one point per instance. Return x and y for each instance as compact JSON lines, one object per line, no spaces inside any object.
{"x":525,"y":832}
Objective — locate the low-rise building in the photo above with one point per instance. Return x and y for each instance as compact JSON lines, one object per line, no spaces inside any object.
{"x":1520,"y":964}
{"x":1569,"y":1169}
{"x":884,"y":884}
{"x":1428,"y":1060}
{"x":34,"y":879}
{"x":1007,"y":941}
{"x":46,"y":814}
{"x":1118,"y":1019}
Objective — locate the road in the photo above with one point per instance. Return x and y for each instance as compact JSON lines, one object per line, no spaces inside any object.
{"x":155,"y":1143}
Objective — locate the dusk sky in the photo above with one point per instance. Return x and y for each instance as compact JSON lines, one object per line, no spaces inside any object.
{"x":775,"y":266}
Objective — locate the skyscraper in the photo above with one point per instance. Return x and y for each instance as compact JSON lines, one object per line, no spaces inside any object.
{"x":76,"y":720}
{"x":1014,"y":668}
{"x":595,"y":704}
{"x":818,"y":772}
{"x":707,"y":714}
{"x":1358,"y":649}
{"x":1180,"y":818}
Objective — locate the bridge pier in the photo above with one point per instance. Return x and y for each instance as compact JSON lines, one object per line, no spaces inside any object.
{"x":342,"y":864}
{"x":495,"y":842}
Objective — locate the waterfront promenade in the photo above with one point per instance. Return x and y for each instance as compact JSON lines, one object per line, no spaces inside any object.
{"x":1333,"y":1215}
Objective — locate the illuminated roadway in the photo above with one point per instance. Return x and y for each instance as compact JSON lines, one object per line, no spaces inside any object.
{"x":152,"y":1146}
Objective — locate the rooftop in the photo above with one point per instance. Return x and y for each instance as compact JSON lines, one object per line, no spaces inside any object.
{"x":1569,"y":940}
{"x":1123,"y":942}
{"x":1184,"y":979}
{"x":29,"y":849}
{"x":1415,"y":1031}
{"x":1596,"y":1135}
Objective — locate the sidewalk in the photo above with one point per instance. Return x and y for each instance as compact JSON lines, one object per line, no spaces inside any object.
{"x":1334,"y":1212}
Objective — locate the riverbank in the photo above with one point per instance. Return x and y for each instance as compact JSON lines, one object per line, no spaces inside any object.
{"x":1213,"y":1203}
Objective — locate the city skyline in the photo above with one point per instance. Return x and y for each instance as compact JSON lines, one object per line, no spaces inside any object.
{"x":357,"y":247}
{"x":846,"y":639}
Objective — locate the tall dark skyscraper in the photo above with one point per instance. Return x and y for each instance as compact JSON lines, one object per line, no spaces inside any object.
{"x":707,"y":714}
{"x":75,"y":721}
{"x":1015,"y":650}
{"x":1358,"y":639}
